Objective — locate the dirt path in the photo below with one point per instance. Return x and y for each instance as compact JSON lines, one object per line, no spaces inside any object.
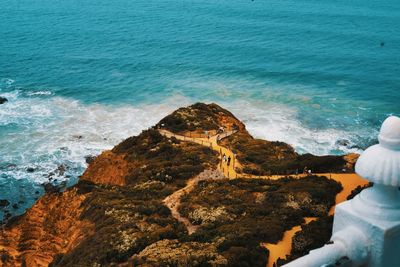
{"x":349,"y":182}
{"x":173,"y":201}
{"x":282,"y":248}
{"x":212,"y":142}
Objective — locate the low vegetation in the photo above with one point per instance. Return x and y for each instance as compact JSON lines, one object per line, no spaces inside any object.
{"x":199,"y":117}
{"x":358,"y":190}
{"x":261,"y":157}
{"x":129,"y":218}
{"x":313,"y":235}
{"x":163,"y":159}
{"x":238,"y":215}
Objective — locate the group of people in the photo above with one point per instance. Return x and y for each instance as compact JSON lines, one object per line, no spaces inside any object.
{"x":307,"y":171}
{"x":226,"y":159}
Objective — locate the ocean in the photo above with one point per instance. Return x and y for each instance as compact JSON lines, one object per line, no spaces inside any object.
{"x":80,"y":76}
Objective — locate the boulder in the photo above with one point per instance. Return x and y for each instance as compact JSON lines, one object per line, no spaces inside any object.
{"x":89,"y":159}
{"x":3,"y":100}
{"x":343,"y":142}
{"x":51,"y":188}
{"x":4,"y":203}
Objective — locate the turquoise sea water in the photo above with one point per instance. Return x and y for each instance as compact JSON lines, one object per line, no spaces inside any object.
{"x":82,"y":75}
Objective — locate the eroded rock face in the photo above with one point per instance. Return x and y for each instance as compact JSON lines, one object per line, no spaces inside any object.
{"x":50,"y":227}
{"x":113,"y":212}
{"x":176,"y":253}
{"x":108,"y":168}
{"x":351,"y":160}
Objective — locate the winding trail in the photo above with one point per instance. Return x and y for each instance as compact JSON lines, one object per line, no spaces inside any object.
{"x":212,"y":142}
{"x":349,"y":182}
{"x":173,"y":201}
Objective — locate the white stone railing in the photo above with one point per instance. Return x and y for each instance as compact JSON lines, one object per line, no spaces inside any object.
{"x":366,"y":229}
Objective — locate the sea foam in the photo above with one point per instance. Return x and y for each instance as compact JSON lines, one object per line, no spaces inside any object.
{"x":41,"y":132}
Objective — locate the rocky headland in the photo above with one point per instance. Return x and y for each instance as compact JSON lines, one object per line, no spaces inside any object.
{"x":160,"y":200}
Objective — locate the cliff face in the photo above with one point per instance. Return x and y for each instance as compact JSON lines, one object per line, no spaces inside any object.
{"x":108,"y":168}
{"x":51,"y":226}
{"x":113,"y":212}
{"x":115,"y":215}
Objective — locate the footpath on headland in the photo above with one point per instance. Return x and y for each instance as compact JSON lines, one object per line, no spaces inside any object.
{"x":283,"y":248}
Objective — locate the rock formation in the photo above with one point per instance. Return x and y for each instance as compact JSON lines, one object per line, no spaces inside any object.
{"x":3,"y":100}
{"x":115,"y":214}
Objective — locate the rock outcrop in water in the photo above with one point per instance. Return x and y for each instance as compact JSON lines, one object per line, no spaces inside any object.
{"x":115,"y":214}
{"x":3,"y":100}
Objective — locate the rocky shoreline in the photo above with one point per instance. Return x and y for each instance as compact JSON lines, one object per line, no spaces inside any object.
{"x":117,"y":214}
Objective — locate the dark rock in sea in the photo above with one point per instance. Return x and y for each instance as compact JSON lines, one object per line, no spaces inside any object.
{"x":61,"y":169}
{"x":37,"y":192}
{"x":30,"y":169}
{"x":4,"y":203}
{"x":15,"y":206}
{"x":50,"y":188}
{"x":3,"y":100}
{"x":343,"y":142}
{"x":7,"y":215}
{"x":89,"y":159}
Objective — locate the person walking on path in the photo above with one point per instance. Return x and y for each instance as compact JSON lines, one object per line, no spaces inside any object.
{"x":229,"y":160}
{"x":305,"y":171}
{"x":224,"y":157}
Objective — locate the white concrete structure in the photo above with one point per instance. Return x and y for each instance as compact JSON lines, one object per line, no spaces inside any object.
{"x":366,"y":229}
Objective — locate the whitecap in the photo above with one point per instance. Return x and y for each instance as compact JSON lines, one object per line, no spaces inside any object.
{"x":39,"y":93}
{"x":41,"y":133}
{"x":278,"y":122}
